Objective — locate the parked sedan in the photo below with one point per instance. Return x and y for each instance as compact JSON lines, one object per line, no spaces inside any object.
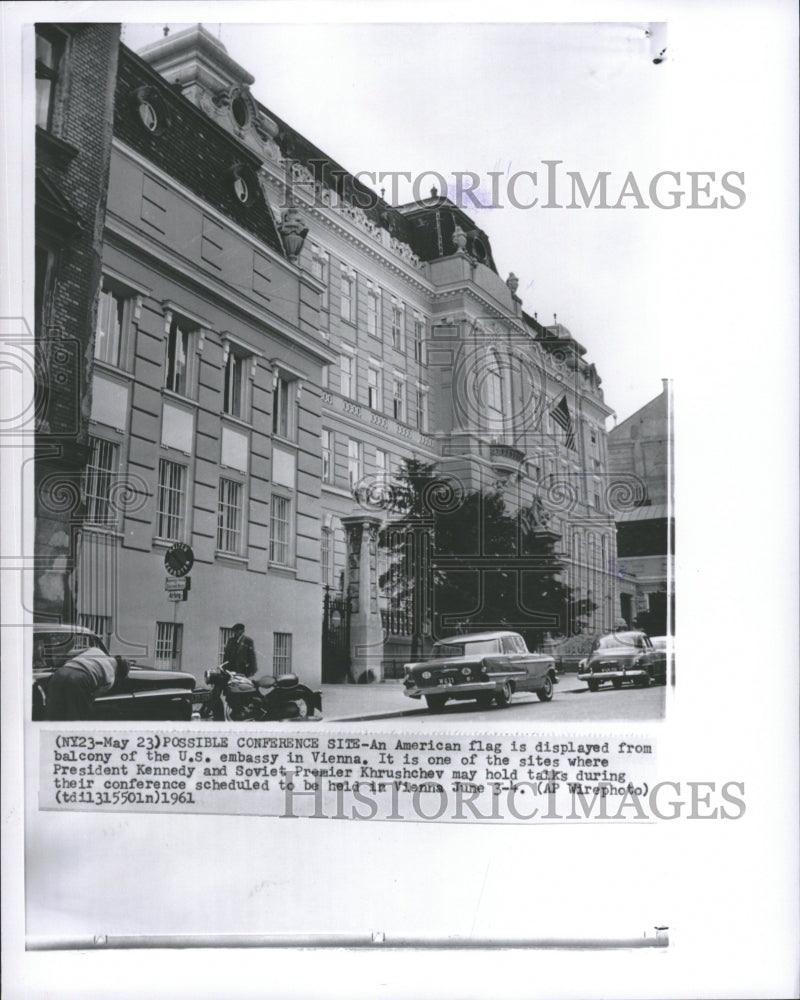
{"x":623,"y":656}
{"x":486,"y":667}
{"x":662,"y":642}
{"x":145,"y":694}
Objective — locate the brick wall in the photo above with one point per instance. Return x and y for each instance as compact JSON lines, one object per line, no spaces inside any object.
{"x":72,"y":160}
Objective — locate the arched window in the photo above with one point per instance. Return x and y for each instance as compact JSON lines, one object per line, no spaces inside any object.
{"x":493,"y":396}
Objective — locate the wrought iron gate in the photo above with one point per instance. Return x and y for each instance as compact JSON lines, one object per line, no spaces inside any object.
{"x":335,"y":637}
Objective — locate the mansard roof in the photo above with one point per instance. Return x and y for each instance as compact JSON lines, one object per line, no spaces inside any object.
{"x":194,"y":150}
{"x":427,"y":226}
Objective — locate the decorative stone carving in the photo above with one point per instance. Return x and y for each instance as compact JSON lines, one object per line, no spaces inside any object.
{"x":513,"y":283}
{"x":293,"y":231}
{"x":459,"y":239}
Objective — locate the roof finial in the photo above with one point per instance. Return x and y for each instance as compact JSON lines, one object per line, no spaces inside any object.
{"x":555,"y":319}
{"x":166,"y":30}
{"x":434,"y":192}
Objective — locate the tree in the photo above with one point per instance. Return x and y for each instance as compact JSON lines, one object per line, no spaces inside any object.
{"x":464,"y":562}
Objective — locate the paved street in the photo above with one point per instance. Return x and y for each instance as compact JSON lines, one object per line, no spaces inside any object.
{"x":572,"y":702}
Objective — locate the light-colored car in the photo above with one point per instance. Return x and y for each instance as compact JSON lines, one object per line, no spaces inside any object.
{"x":623,"y":656}
{"x":485,"y":667}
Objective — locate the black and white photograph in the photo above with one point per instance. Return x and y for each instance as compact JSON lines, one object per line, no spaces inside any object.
{"x":323,"y":409}
{"x":391,"y":402}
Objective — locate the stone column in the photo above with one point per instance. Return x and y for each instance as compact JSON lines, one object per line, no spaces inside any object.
{"x":361,"y":586}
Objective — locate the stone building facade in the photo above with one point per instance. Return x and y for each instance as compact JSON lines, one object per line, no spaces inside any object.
{"x":273,"y":341}
{"x":639,"y":448}
{"x":206,"y":398}
{"x":436,"y":359}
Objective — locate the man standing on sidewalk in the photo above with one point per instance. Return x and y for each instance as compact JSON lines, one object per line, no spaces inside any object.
{"x":240,"y":653}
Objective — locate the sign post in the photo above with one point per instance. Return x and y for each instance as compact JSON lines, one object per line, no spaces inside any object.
{"x":178,"y":560}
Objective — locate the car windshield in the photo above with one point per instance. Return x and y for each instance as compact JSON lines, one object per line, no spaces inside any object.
{"x":52,"y":649}
{"x":475,"y":648}
{"x":633,"y":639}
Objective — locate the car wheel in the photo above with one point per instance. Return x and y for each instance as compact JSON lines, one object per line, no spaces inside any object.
{"x":644,"y":682}
{"x":545,"y":693}
{"x":484,"y":700}
{"x":617,"y":684}
{"x":504,"y":695}
{"x":435,"y":702}
{"x":302,"y":708}
{"x":593,"y":685}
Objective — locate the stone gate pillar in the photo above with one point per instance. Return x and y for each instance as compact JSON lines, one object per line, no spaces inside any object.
{"x":361,"y":586}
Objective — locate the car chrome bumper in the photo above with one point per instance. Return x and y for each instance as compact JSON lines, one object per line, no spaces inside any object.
{"x":467,"y":689}
{"x":633,"y":673}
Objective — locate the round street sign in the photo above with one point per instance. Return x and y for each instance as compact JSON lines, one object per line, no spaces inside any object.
{"x":178,"y":559}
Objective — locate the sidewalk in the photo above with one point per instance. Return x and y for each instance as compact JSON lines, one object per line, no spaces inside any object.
{"x":343,"y":701}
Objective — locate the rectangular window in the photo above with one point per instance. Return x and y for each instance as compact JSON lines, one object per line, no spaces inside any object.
{"x":169,"y":638}
{"x":281,"y":653}
{"x":381,"y":462}
{"x":320,"y":268}
{"x":234,"y":389}
{"x":326,"y":557}
{"x":399,"y":399}
{"x":282,"y":422}
{"x":354,"y":462}
{"x":99,"y":624}
{"x":346,"y":372}
{"x":419,"y":339}
{"x":112,"y":315}
{"x":279,"y":530}
{"x":327,"y":455}
{"x":374,"y":312}
{"x":494,"y":401}
{"x":348,"y":291}
{"x":421,"y":410}
{"x":595,"y":448}
{"x":179,"y":344}
{"x":397,"y":327}
{"x":374,"y":389}
{"x":229,"y":517}
{"x":224,"y":635}
{"x":170,"y":512}
{"x":49,"y":51}
{"x":100,"y":475}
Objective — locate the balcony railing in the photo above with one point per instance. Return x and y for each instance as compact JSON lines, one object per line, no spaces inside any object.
{"x":506,"y":455}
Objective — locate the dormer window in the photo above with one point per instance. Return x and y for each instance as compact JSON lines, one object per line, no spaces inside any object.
{"x":240,"y":187}
{"x":244,"y":182}
{"x":240,"y":111}
{"x":241,"y":106}
{"x":148,"y":115}
{"x":150,"y":109}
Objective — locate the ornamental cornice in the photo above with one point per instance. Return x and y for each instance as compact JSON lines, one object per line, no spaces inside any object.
{"x":341,"y":224}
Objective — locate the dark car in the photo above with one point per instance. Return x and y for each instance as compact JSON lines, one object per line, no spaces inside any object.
{"x":484,"y":667}
{"x":145,"y":694}
{"x":620,"y":657}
